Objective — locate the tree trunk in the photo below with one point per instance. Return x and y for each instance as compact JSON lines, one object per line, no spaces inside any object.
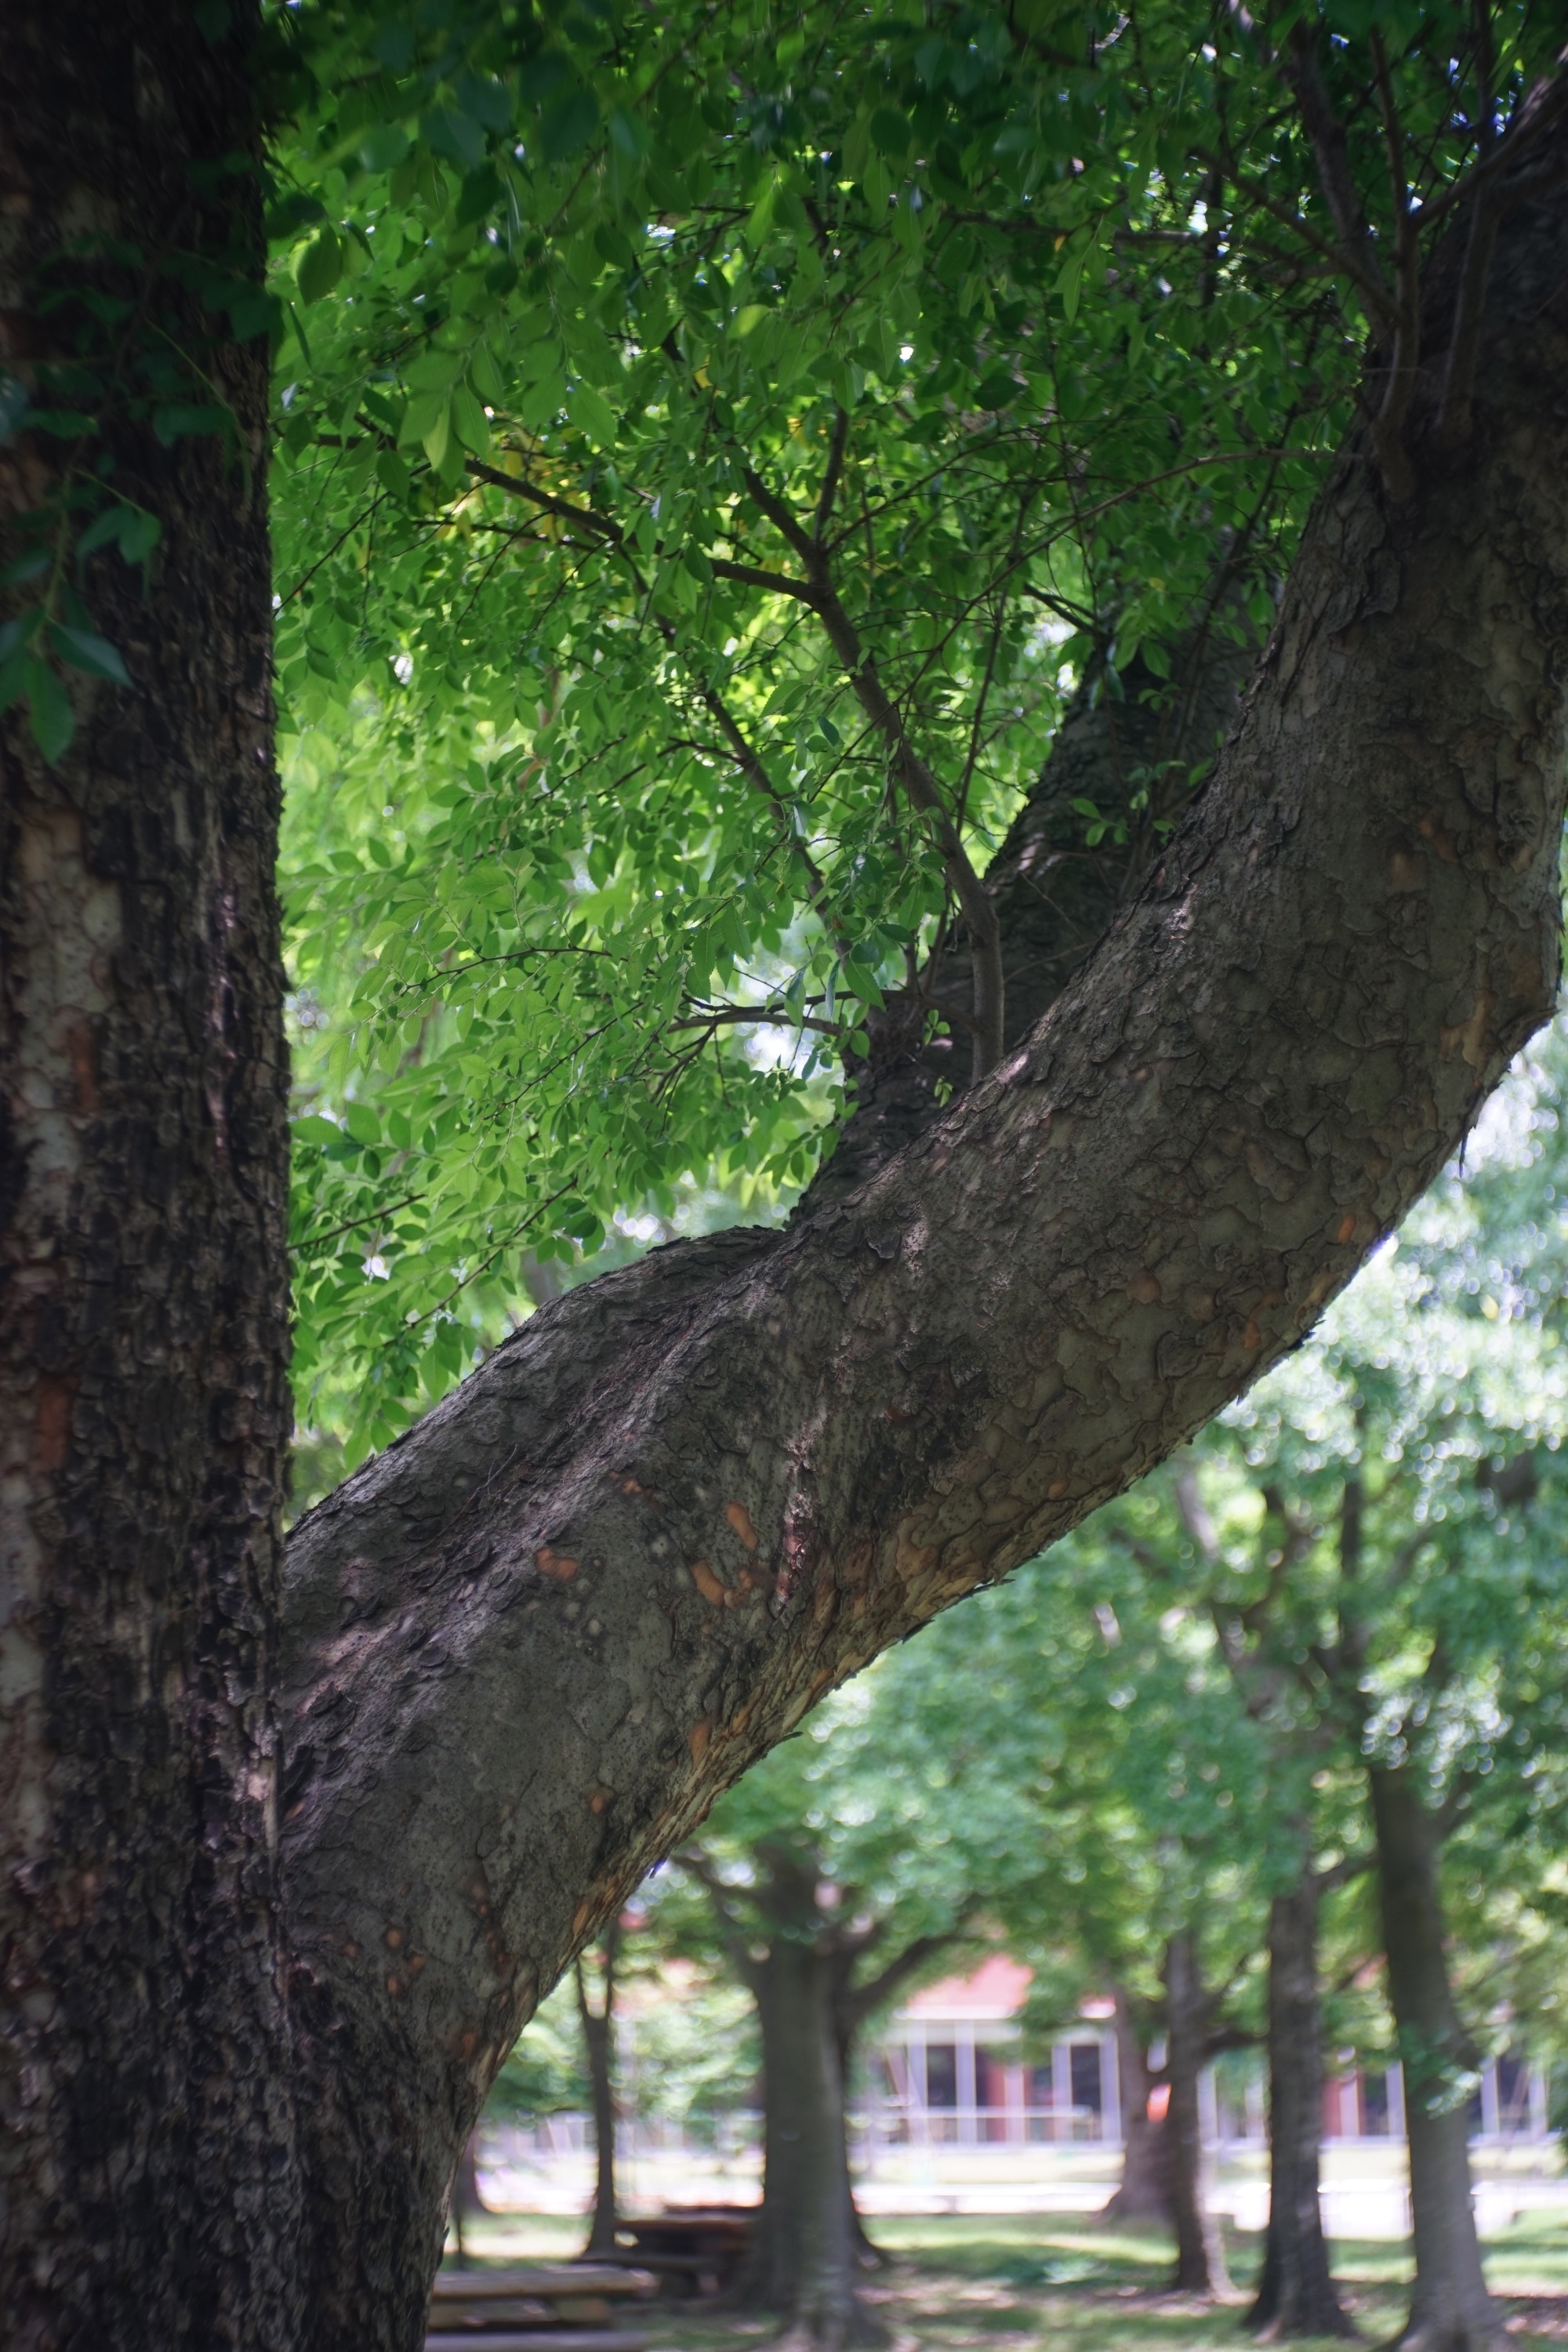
{"x":149,"y":2174}
{"x":802,"y":2260}
{"x":1295,"y":2294}
{"x":599,"y":2043}
{"x":1450,"y":2310}
{"x":1200,"y":2253}
{"x":1143,"y":2192}
{"x":531,"y":1643}
{"x":467,"y":2203}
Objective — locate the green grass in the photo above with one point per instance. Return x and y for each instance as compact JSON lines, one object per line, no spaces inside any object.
{"x":1067,"y":2282}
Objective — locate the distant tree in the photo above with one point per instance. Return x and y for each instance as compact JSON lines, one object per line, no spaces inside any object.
{"x":1387,"y":1569}
{"x":837,"y":1876}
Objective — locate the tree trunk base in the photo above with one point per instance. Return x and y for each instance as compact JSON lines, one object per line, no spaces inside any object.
{"x":858,"y":2330}
{"x":1456,"y":2335}
{"x":1287,"y":2326}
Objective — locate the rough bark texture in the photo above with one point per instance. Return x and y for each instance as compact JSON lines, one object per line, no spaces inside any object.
{"x":149,"y":2188}
{"x":1450,"y":2309}
{"x":1143,"y":2192}
{"x":1200,"y":2253}
{"x":1295,"y":2294}
{"x":533,"y":1640}
{"x":599,"y":2042}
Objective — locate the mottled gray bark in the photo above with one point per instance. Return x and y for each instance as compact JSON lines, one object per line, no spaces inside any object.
{"x":149,"y":2186}
{"x":533,"y":1640}
{"x":1295,"y":2294}
{"x":1450,"y":2309}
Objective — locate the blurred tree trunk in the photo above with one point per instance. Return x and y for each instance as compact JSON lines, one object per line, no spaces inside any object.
{"x":1143,"y":2192}
{"x":599,"y":2042}
{"x":1200,"y":2253}
{"x":467,"y":2203}
{"x":1295,"y":2294}
{"x":803,"y":2261}
{"x":1450,"y":2309}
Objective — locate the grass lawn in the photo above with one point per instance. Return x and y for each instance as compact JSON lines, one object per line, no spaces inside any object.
{"x":1017,"y":2282}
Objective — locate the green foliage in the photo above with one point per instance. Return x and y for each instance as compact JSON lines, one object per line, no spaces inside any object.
{"x":546,"y":2072}
{"x":607,"y":336}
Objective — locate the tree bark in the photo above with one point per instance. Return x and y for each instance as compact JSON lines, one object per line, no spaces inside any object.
{"x":1450,"y":2310}
{"x":599,"y":2044}
{"x":1200,"y":2252}
{"x":149,"y":2170}
{"x":1143,"y":2192}
{"x":1295,"y":2294}
{"x":533,"y":1640}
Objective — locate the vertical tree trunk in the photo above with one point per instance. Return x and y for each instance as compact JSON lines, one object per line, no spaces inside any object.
{"x":866,"y":2253}
{"x":802,"y":2262}
{"x":467,"y":2203}
{"x":1296,"y":2295}
{"x":147,"y":2152}
{"x":1450,"y":2309}
{"x":599,"y":2040}
{"x":1143,"y":2192}
{"x":1200,"y":2254}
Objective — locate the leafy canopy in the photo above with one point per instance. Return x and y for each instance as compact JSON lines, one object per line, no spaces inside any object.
{"x":713,"y":444}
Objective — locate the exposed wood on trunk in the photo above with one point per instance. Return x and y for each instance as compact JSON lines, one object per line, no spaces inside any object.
{"x":1295,"y":2294}
{"x":531,"y":1642}
{"x":148,"y":2169}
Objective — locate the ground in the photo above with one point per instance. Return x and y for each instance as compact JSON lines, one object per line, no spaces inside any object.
{"x":1011,"y":2284}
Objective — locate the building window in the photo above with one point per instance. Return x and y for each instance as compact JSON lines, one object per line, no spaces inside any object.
{"x":1087,"y":2085}
{"x":942,"y":2074}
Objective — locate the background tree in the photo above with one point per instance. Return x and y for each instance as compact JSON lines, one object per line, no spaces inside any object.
{"x":840,"y":1871}
{"x":1403,"y":1467}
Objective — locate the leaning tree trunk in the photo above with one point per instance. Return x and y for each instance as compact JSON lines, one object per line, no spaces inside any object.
{"x":1143,"y":2192}
{"x":1295,"y":2294}
{"x":599,"y":2046}
{"x":1450,"y":2310}
{"x":531,"y":1641}
{"x":802,"y":2259}
{"x":149,"y":2174}
{"x":1199,"y":2252}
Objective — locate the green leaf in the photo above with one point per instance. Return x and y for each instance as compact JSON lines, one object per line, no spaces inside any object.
{"x":592,"y":415}
{"x":891,"y":132}
{"x":48,"y":704}
{"x":385,"y":147}
{"x":469,"y":421}
{"x":420,"y":416}
{"x":436,"y":438}
{"x":321,"y":265}
{"x":362,"y":1122}
{"x":568,"y":126}
{"x":456,"y":137}
{"x":88,"y":652}
{"x":749,"y":317}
